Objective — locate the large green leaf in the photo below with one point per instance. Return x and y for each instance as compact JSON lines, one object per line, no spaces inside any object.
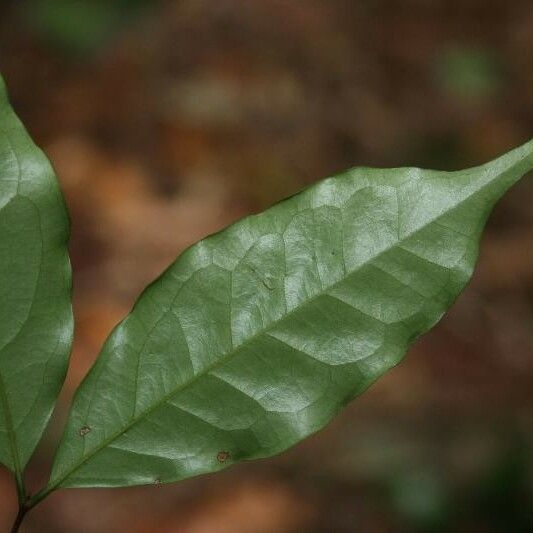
{"x":35,"y":280}
{"x":256,"y":336}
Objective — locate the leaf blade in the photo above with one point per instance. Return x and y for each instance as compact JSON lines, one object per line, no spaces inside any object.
{"x":283,"y":317}
{"x":35,"y":311}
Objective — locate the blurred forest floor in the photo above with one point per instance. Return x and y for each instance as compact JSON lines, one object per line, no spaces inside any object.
{"x":167,"y":120}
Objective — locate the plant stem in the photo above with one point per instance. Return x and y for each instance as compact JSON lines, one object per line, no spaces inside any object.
{"x":26,"y":504}
{"x":22,"y":500}
{"x":21,"y":489}
{"x":20,"y":517}
{"x":38,"y":498}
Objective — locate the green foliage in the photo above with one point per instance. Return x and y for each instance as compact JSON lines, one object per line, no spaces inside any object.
{"x":36,"y":323}
{"x":470,"y":74}
{"x":252,"y":340}
{"x":80,"y":26}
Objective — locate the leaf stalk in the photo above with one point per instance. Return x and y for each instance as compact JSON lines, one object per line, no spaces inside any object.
{"x":23,"y":509}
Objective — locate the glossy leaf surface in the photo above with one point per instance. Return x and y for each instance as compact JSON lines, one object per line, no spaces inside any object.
{"x":35,"y":281}
{"x":256,"y":336}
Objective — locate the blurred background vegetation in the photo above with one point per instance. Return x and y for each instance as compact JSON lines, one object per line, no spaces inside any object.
{"x":167,"y":120}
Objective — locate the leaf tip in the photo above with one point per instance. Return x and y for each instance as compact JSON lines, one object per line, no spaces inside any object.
{"x":522,"y":156}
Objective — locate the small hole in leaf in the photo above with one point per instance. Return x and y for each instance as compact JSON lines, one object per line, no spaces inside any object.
{"x":84,"y":430}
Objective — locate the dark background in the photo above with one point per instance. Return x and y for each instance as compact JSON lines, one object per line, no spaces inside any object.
{"x":167,"y":120}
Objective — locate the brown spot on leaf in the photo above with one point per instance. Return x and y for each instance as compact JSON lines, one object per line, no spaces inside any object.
{"x":84,"y":430}
{"x":222,"y":457}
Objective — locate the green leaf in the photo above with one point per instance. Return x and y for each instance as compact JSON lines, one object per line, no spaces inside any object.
{"x":35,"y":283}
{"x":256,"y":336}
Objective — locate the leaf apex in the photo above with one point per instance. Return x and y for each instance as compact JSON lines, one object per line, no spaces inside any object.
{"x":521,"y":157}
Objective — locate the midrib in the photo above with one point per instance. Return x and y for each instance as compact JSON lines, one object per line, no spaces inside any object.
{"x":223,"y":359}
